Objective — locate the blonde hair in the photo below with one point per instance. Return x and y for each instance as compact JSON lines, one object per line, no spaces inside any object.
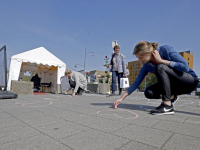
{"x":116,"y":46}
{"x":145,"y":48}
{"x":67,"y":71}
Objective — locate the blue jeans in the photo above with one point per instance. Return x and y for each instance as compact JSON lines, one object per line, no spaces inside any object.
{"x":114,"y":75}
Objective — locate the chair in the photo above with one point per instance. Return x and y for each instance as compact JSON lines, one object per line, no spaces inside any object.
{"x":48,"y":86}
{"x":36,"y":88}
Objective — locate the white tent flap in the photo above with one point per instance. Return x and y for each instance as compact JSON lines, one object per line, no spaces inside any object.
{"x":14,"y":71}
{"x":61,"y":72}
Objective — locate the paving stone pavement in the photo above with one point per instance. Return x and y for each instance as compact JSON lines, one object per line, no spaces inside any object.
{"x":89,"y":122}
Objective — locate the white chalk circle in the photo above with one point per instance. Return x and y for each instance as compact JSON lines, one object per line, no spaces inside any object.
{"x":116,"y":113}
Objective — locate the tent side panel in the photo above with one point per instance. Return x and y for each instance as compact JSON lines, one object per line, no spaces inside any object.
{"x":61,"y":73}
{"x":15,"y":66}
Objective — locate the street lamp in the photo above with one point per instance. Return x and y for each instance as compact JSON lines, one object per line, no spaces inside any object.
{"x":81,"y":71}
{"x":85,"y":59}
{"x":78,"y":64}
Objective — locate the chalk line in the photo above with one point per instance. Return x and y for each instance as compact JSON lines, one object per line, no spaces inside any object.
{"x":118,"y":110}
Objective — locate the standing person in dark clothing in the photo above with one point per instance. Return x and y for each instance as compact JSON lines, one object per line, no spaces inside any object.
{"x":36,"y":80}
{"x":172,"y":71}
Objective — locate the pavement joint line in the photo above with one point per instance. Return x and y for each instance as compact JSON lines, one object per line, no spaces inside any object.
{"x":137,"y":142}
{"x":142,"y":143}
{"x":152,"y":127}
{"x":194,"y":110}
{"x":160,"y":120}
{"x":178,"y":133}
{"x":132,"y":140}
{"x":75,"y":134}
{"x":42,"y":132}
{"x":185,"y":120}
{"x":194,"y":122}
{"x":121,"y":128}
{"x":166,"y":141}
{"x":19,"y":139}
{"x":124,"y":144}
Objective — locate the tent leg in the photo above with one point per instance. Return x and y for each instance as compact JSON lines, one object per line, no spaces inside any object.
{"x":58,"y":87}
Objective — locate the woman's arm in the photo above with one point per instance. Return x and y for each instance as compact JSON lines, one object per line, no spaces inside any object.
{"x":176,"y":60}
{"x":143,"y":72}
{"x":159,"y":60}
{"x":76,"y":79}
{"x":118,"y":101}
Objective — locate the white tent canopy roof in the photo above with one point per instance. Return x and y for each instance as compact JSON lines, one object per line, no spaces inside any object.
{"x":39,"y":56}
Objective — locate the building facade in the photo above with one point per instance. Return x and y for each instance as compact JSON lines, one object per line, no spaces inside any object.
{"x":188,"y":56}
{"x":134,"y":69}
{"x":96,"y":74}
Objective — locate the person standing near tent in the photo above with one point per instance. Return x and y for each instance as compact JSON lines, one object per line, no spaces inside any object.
{"x":172,"y":71}
{"x":94,"y":76}
{"x":36,"y":80}
{"x":76,"y":81}
{"x":118,"y":68}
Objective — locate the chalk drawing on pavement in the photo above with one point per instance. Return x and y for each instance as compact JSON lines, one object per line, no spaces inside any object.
{"x":43,"y":102}
{"x":118,"y":113}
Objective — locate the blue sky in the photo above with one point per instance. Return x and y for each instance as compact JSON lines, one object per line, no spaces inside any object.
{"x":67,"y":27}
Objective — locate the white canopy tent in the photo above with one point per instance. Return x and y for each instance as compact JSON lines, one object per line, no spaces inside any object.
{"x":38,"y":60}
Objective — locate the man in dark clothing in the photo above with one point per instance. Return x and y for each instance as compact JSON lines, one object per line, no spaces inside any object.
{"x":36,"y":81}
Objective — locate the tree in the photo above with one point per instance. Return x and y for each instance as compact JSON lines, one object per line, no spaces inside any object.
{"x":149,"y":81}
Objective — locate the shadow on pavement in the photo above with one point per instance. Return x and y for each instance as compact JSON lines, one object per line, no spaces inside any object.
{"x":146,"y":108}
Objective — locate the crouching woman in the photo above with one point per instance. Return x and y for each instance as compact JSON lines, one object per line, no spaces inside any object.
{"x":172,"y":71}
{"x":77,"y":81}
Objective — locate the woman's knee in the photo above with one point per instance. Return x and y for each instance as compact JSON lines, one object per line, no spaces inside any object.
{"x":153,"y":91}
{"x":160,"y":68}
{"x":148,"y":93}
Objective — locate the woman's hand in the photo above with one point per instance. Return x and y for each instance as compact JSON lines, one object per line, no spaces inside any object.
{"x":73,"y":94}
{"x":157,"y":57}
{"x":117,"y":102}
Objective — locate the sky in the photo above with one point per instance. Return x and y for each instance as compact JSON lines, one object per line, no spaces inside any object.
{"x":67,"y":28}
